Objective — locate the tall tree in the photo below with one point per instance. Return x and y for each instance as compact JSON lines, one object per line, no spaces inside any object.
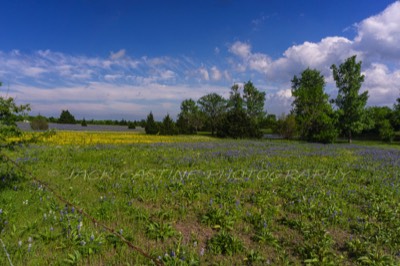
{"x":235,"y":101}
{"x":168,"y":126}
{"x":151,"y":126}
{"x":213,"y":106}
{"x":313,"y":112}
{"x":254,"y":102}
{"x":236,"y":122}
{"x":350,"y":103}
{"x":189,"y":119}
{"x":66,"y":118}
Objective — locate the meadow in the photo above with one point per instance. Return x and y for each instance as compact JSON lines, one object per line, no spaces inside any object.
{"x":196,"y":200}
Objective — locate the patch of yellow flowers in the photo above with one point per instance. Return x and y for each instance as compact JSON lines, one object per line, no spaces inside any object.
{"x":93,"y":138}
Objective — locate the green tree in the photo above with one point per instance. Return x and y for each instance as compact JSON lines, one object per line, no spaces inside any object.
{"x":10,"y":112}
{"x":66,"y":118}
{"x":315,"y":118}
{"x":350,"y":103}
{"x":236,"y":123}
{"x":374,"y":116}
{"x":386,"y":131}
{"x":168,"y":126}
{"x":190,"y":118}
{"x":254,"y":101}
{"x":396,"y":115}
{"x":151,"y":126}
{"x":213,"y":106}
{"x":84,"y":123}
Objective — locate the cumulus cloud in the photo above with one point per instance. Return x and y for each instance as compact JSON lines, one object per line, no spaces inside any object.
{"x":380,"y":35}
{"x":382,"y":84}
{"x":377,"y":44}
{"x":46,"y":77}
{"x":240,"y":49}
{"x":254,"y":61}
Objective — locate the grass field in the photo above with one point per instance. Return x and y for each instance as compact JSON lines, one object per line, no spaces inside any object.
{"x":200,"y":201}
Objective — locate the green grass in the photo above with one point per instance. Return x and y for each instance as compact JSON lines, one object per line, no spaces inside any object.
{"x":211,"y":203}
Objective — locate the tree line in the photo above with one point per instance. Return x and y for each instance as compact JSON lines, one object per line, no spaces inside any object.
{"x":314,"y":116}
{"x":239,"y":116}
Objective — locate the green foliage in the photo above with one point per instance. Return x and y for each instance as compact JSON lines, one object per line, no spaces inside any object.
{"x":224,"y":243}
{"x":84,"y":123}
{"x":66,"y":118}
{"x":168,"y":126}
{"x":350,"y":103}
{"x":237,"y":124}
{"x":151,"y":126}
{"x":254,"y":101}
{"x":375,"y":115}
{"x":131,"y":125}
{"x":190,"y":203}
{"x":386,"y":131}
{"x":159,"y":231}
{"x":241,"y":122}
{"x":217,"y":219}
{"x":10,"y":112}
{"x":269,"y":122}
{"x":39,"y":123}
{"x":190,"y":118}
{"x":286,"y":126}
{"x":213,"y":106}
{"x":396,"y":114}
{"x":315,"y":118}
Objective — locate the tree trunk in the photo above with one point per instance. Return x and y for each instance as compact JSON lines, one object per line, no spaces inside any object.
{"x":350,"y":137}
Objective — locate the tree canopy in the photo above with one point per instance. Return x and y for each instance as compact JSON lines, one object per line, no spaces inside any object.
{"x":350,"y":103}
{"x":66,"y":118}
{"x":213,"y":107}
{"x":313,"y":113}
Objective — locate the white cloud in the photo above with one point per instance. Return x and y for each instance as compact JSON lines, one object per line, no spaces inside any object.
{"x":118,"y":80}
{"x":377,"y":44}
{"x":382,"y":84}
{"x":215,"y":73}
{"x":118,"y":55}
{"x":240,"y":49}
{"x":380,"y":35}
{"x":112,"y":77}
{"x":204,"y":73}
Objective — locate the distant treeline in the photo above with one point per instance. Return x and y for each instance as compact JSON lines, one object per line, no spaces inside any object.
{"x":314,"y":117}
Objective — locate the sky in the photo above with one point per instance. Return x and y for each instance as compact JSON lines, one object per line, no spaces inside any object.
{"x":122,"y":59}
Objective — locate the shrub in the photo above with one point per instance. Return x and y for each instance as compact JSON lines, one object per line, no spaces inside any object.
{"x":39,"y":123}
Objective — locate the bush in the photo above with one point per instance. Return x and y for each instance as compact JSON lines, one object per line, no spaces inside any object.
{"x":131,"y":125}
{"x":39,"y":123}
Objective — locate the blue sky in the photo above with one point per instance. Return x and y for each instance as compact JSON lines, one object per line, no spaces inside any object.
{"x":123,"y":59}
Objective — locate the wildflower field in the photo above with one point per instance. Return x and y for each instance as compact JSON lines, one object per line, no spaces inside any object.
{"x":196,"y":200}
